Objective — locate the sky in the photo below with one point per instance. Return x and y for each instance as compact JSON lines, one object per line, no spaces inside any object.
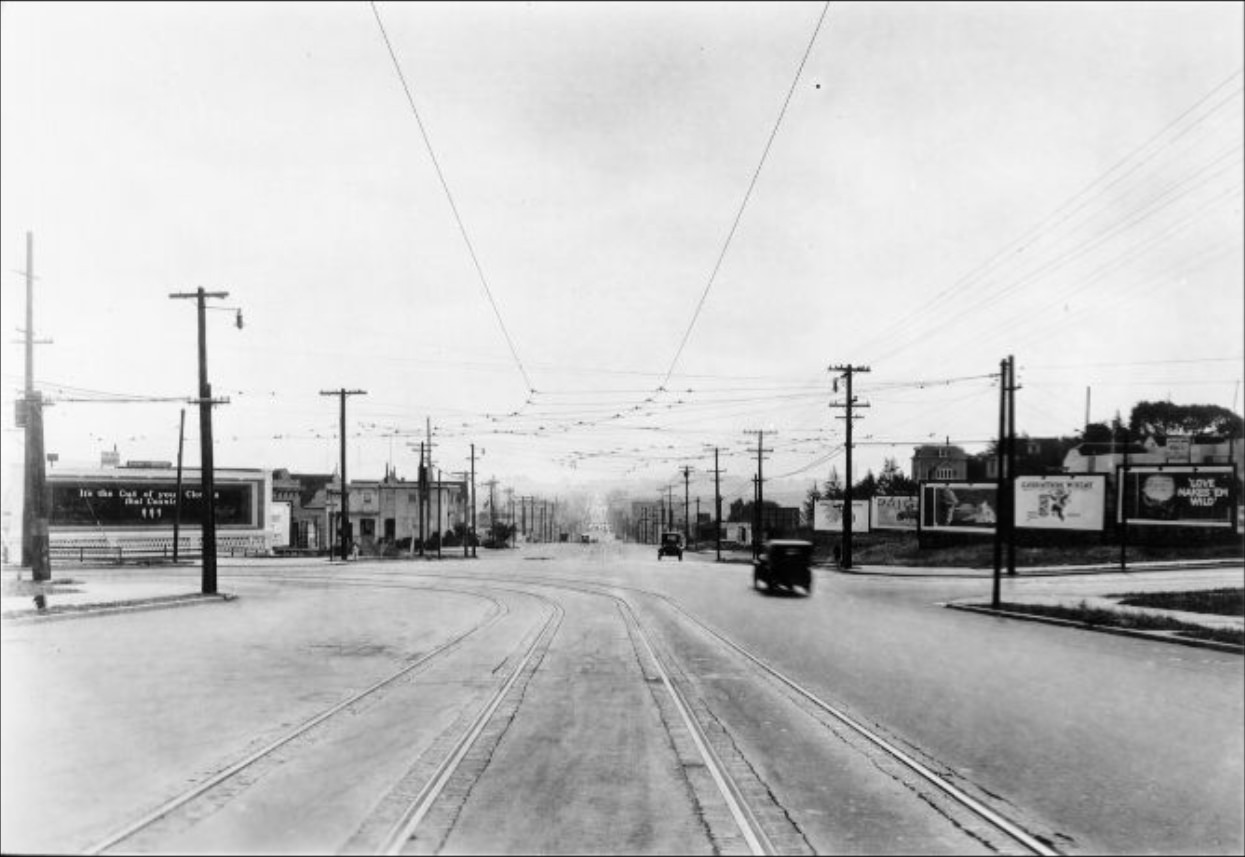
{"x":600,"y":240}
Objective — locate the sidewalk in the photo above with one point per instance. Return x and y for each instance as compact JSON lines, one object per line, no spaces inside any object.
{"x":91,"y":591}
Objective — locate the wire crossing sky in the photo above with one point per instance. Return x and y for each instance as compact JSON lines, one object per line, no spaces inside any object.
{"x":923,"y":188}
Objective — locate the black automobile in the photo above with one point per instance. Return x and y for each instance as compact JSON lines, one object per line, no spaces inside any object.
{"x":784,"y":564}
{"x":671,"y":545}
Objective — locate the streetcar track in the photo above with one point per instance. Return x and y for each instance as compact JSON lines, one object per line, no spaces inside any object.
{"x":739,"y":809}
{"x":741,"y":812}
{"x":957,"y":795}
{"x":235,"y":771}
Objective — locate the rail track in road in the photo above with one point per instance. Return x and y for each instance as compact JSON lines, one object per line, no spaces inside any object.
{"x":757,"y":824}
{"x":746,"y":816}
{"x":747,"y":825}
{"x":185,"y":802}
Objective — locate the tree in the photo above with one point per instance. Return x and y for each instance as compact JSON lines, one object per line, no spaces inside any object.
{"x":867,"y":488}
{"x":810,"y":504}
{"x":834,"y":486}
{"x":1161,"y":419}
{"x":892,"y":482}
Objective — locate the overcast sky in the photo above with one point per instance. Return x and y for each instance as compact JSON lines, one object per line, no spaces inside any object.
{"x":627,"y":232}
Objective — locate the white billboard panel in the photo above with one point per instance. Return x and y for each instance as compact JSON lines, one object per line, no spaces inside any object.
{"x":828,"y":516}
{"x":895,"y":513}
{"x":959,"y":507}
{"x":1061,"y":502}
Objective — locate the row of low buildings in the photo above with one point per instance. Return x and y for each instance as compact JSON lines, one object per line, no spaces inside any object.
{"x":387,"y":513}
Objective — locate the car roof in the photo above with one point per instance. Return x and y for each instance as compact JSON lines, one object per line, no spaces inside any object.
{"x":778,"y":543}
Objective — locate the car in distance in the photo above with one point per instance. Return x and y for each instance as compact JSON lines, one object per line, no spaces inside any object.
{"x":784,"y":564}
{"x":671,"y":545}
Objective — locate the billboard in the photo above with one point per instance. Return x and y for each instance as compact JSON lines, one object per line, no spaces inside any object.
{"x":959,"y":507}
{"x":828,"y":516}
{"x":279,"y":523}
{"x":1061,"y":502}
{"x":1179,"y":495}
{"x":895,"y":513}
{"x":147,"y":503}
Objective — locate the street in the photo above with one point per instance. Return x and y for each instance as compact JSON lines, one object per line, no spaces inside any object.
{"x":592,"y":699}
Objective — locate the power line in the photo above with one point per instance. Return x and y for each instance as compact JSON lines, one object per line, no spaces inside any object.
{"x":450,"y":197}
{"x":747,"y":195}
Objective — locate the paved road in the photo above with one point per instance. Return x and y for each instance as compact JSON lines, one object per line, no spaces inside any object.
{"x":617,"y":717}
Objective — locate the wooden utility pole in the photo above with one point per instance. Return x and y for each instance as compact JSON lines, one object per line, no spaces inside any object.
{"x":35,"y":548}
{"x":758,"y":494}
{"x":717,"y":504}
{"x":345,"y":492}
{"x":473,"y":538}
{"x":687,"y":528}
{"x":177,"y":501}
{"x":848,"y":371}
{"x":1000,"y":455}
{"x":206,"y":465}
{"x":1009,"y":502}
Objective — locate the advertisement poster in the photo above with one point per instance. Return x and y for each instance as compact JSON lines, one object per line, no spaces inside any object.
{"x":1061,"y":502}
{"x":1180,"y":496}
{"x":959,"y":507}
{"x":828,"y":516}
{"x":147,"y":504}
{"x":895,"y":513}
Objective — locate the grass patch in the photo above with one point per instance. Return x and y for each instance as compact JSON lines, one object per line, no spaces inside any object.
{"x":1219,"y":602}
{"x":902,"y":549}
{"x":1108,"y":618}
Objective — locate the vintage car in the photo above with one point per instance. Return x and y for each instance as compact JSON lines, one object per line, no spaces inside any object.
{"x":671,"y":545}
{"x":784,"y":564}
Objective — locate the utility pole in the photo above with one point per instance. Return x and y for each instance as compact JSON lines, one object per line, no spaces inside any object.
{"x":1009,"y":502}
{"x":717,"y":504}
{"x":758,"y":495}
{"x":428,"y":483}
{"x":422,"y":493}
{"x":848,"y":371}
{"x":177,"y":502}
{"x":687,"y":532}
{"x":440,"y":531}
{"x":492,"y":509}
{"x":206,"y":463}
{"x":697,"y":530}
{"x":345,"y":492}
{"x":1000,"y":455}
{"x":35,"y":553}
{"x":472,"y":537}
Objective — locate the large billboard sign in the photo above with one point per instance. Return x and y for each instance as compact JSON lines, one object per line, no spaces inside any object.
{"x":144,"y":503}
{"x":1179,"y":496}
{"x":959,"y":507}
{"x":828,"y":516}
{"x":1061,"y":502}
{"x":895,"y":513}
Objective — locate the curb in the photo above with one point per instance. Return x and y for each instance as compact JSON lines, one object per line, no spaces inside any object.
{"x":110,"y":608}
{"x":1103,"y":629}
{"x":1030,"y":571}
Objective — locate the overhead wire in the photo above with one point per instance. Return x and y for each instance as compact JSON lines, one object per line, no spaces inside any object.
{"x":450,"y":197}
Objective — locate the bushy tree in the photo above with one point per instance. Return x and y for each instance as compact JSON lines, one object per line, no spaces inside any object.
{"x":892,"y":482}
{"x":1161,"y":419}
{"x":834,"y":486}
{"x":810,"y":503}
{"x":866,"y":488}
